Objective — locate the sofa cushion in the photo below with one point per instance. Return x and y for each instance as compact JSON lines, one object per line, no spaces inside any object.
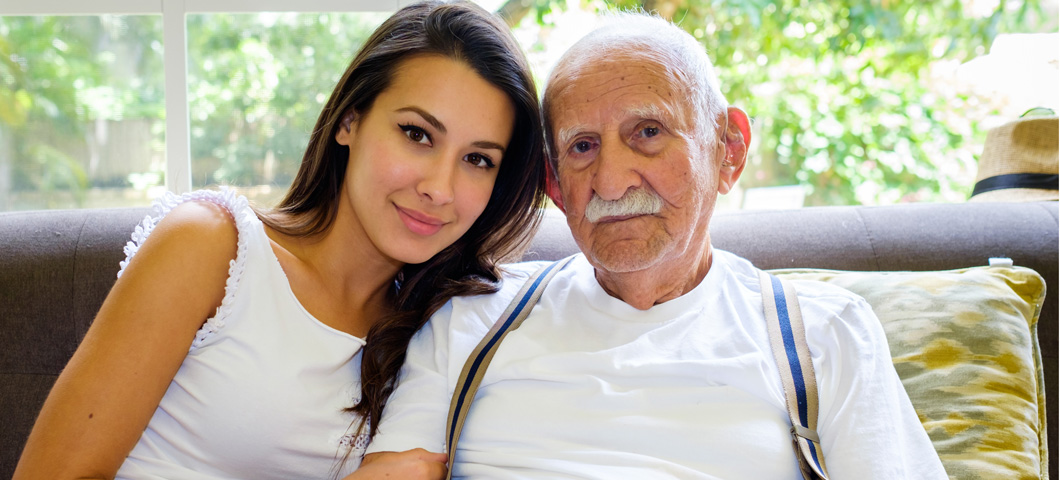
{"x":964,"y":344}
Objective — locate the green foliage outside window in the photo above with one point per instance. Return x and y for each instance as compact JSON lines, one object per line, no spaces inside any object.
{"x":61,"y":79}
{"x":845,"y":96}
{"x":258,"y":83}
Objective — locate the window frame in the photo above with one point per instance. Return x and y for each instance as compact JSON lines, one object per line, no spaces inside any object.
{"x":175,"y":60}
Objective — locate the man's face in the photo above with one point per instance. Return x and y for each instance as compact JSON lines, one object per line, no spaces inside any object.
{"x":624,"y":128}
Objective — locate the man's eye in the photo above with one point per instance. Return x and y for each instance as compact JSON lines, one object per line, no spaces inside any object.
{"x":479,"y":160}
{"x":582,"y":146}
{"x":650,"y":131}
{"x":416,"y":134}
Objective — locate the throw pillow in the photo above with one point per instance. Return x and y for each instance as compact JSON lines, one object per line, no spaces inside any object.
{"x":965,"y":345}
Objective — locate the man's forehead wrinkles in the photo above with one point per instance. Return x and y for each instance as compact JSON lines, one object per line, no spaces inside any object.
{"x":606,"y":94}
{"x":574,"y":123}
{"x":617,"y":103}
{"x":621,"y":88}
{"x":627,"y":75}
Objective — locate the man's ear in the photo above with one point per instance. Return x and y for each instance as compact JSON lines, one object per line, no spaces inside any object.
{"x":345,"y":134}
{"x":736,"y":139}
{"x":552,"y":186}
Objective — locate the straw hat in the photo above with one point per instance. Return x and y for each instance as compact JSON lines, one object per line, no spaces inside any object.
{"x":1019,"y":162}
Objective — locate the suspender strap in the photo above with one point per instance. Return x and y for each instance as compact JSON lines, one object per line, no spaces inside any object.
{"x":787,"y":337}
{"x":475,"y":366}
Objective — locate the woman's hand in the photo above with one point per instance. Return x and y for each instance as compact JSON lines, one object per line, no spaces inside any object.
{"x":411,"y":464}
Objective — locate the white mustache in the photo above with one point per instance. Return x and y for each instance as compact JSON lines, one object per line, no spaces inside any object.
{"x":635,"y":202}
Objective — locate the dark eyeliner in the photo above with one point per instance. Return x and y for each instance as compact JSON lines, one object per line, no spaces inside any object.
{"x":408,"y":127}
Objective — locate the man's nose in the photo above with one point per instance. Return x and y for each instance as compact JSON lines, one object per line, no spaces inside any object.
{"x":436,"y":182}
{"x":616,"y":171}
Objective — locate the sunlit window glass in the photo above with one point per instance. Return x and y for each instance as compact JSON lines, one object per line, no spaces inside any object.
{"x":256,"y":84}
{"x":81,"y":111}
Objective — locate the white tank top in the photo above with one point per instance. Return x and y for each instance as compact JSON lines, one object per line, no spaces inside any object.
{"x":262,"y":391}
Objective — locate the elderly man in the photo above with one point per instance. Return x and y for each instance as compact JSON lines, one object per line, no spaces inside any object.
{"x":647,"y":356}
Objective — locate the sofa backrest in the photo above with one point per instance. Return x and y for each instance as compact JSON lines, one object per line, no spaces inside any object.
{"x":57,"y":266}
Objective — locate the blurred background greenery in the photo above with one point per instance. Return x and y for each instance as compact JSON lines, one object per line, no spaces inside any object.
{"x":853,"y":102}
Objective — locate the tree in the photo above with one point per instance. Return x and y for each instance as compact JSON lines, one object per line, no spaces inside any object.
{"x":60,"y":75}
{"x":258,"y":83}
{"x":841,"y":93}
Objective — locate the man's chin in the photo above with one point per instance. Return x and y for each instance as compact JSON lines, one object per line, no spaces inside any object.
{"x":626,"y":257}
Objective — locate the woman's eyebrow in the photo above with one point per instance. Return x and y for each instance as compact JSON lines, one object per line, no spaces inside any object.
{"x":488,"y":145}
{"x":441,"y":127}
{"x":426,"y":117}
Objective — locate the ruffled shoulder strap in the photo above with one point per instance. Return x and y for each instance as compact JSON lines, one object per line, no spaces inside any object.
{"x":245,"y":220}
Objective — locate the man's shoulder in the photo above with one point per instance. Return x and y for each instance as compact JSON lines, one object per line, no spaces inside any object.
{"x":478,"y":312}
{"x":519,"y":272}
{"x":816,"y":290}
{"x":806,"y":289}
{"x":821,"y":302}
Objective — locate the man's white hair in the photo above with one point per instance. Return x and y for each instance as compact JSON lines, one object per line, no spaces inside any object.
{"x":684,"y":58}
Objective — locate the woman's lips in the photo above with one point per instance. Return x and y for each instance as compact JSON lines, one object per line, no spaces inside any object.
{"x":419,"y":223}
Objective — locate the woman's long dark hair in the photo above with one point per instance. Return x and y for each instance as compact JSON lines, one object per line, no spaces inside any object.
{"x":461,"y":31}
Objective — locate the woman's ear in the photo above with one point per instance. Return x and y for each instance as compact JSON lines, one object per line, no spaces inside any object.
{"x":736,"y":138}
{"x":345,"y":134}
{"x":552,"y":186}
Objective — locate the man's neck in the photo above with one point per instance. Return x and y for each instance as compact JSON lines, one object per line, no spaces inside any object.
{"x":666,"y":281}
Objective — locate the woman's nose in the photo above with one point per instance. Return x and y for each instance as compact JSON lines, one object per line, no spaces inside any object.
{"x":437,"y":182}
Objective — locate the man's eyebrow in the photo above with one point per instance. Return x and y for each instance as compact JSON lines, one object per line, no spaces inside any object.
{"x":565,"y":134}
{"x":648,"y":110}
{"x":426,"y":117}
{"x":663,"y":113}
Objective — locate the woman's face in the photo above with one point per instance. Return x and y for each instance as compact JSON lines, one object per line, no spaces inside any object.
{"x":424,"y":158}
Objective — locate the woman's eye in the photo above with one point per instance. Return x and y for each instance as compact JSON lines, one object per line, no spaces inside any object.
{"x":479,"y":160}
{"x":416,"y":134}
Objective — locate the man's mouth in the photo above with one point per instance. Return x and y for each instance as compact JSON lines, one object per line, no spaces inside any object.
{"x":618,"y":218}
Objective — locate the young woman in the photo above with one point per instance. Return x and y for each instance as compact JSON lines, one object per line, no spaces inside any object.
{"x":235,"y":341}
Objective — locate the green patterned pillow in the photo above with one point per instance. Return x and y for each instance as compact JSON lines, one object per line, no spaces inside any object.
{"x":965,"y":345}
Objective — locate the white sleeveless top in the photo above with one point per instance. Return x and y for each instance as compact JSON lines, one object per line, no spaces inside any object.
{"x":262,"y":391}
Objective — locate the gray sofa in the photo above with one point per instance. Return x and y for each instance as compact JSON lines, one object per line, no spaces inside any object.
{"x":57,"y":266}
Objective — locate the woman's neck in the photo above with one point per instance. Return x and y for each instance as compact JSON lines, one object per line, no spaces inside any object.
{"x":338,"y":275}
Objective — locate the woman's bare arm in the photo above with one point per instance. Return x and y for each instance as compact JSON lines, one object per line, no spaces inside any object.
{"x":104,"y":398}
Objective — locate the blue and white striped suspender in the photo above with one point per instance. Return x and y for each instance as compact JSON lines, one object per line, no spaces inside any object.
{"x":786,"y":336}
{"x":475,"y":366}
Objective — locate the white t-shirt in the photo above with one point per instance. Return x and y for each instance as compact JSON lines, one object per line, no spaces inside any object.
{"x":262,"y":392}
{"x":590,"y":387}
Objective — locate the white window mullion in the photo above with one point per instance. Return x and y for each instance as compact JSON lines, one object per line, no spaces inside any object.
{"x":178,"y":139}
{"x":175,"y":51}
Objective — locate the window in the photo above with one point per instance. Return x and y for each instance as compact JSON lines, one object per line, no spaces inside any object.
{"x":853,"y":102}
{"x":81,"y":110}
{"x":85,"y":119}
{"x":256,"y":84}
